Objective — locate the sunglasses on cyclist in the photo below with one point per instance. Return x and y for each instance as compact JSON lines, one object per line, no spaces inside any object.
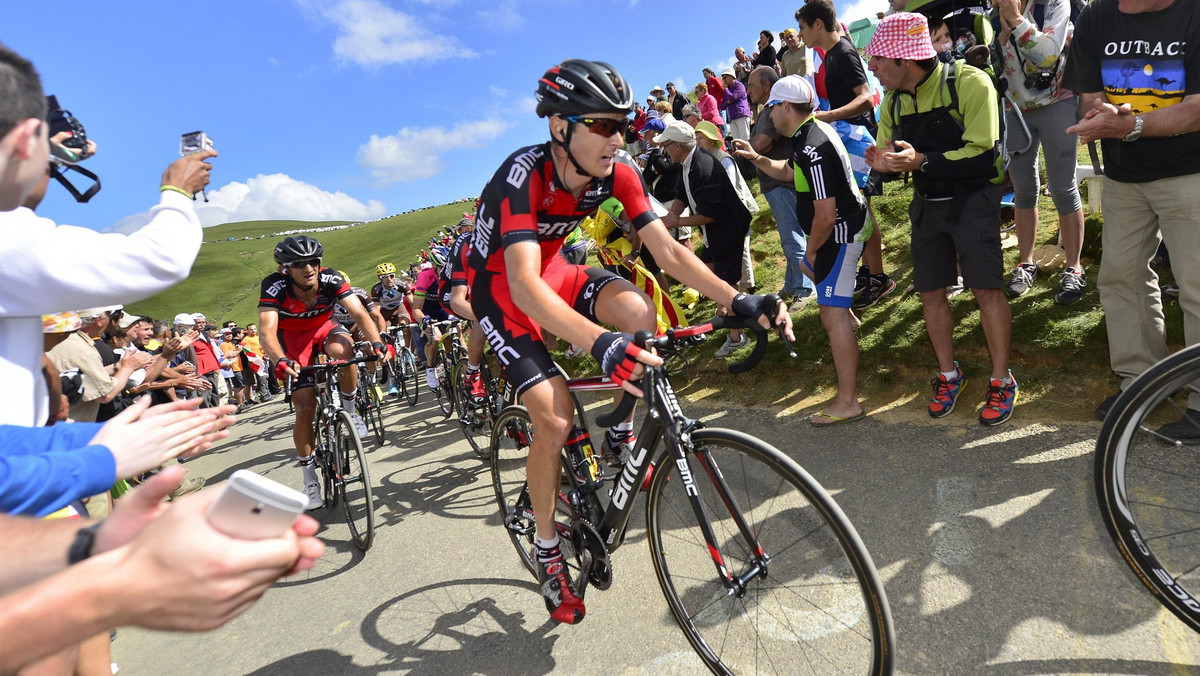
{"x":300,"y":265}
{"x":602,"y":126}
{"x":387,"y":276}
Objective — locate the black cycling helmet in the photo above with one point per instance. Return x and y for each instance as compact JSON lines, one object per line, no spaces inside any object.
{"x":578,"y":87}
{"x":298,"y":249}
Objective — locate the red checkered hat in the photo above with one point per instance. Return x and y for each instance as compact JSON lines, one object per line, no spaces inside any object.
{"x":903,"y":35}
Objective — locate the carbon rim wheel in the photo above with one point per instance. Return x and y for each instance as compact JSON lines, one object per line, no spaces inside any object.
{"x":375,"y":412}
{"x":411,"y":390}
{"x":1148,"y":481}
{"x":818,"y":607}
{"x":326,"y":462}
{"x":445,"y":390}
{"x":355,"y":484}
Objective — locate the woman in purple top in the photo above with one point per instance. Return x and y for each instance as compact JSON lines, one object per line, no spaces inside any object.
{"x":736,"y":106}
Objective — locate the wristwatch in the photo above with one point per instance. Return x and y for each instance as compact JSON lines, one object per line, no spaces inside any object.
{"x":925,"y":164}
{"x":1137,"y":130}
{"x":81,"y":546}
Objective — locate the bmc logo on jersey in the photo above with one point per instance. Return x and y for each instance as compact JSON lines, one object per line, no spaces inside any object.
{"x":503,"y":351}
{"x":812,"y":153}
{"x":518,"y":173}
{"x":557,"y":229}
{"x":275,"y":288}
{"x":483,"y":232}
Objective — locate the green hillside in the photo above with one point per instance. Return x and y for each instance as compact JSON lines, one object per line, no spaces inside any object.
{"x":226,"y":277}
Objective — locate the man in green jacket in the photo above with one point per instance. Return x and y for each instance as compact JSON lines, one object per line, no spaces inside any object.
{"x":942,"y":123}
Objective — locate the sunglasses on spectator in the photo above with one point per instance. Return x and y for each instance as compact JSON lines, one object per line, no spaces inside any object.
{"x":601,"y":126}
{"x":300,"y":265}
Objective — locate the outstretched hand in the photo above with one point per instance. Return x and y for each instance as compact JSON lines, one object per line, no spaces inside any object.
{"x":142,"y":437}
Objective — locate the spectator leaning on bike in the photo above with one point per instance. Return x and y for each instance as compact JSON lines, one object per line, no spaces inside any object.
{"x":946,"y":131}
{"x":1136,"y":64}
{"x":1033,"y":62}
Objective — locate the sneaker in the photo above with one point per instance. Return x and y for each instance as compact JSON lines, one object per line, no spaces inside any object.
{"x":431,"y":379}
{"x":862,"y":280}
{"x":189,"y":485}
{"x":557,"y":590}
{"x":955,"y":289}
{"x":732,"y":345}
{"x":359,"y":425}
{"x":945,"y":393}
{"x":878,"y":287}
{"x":800,"y":303}
{"x":1001,"y":397}
{"x":475,"y":383}
{"x":312,"y":490}
{"x":393,"y":390}
{"x":1106,"y":406}
{"x":1186,"y":430}
{"x":616,"y":450}
{"x":1071,"y":288}
{"x":1022,"y":280}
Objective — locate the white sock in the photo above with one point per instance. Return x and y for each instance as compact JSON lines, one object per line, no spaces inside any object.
{"x":472,"y":369}
{"x":308,"y":468}
{"x":950,"y":375}
{"x":348,"y":402}
{"x":431,"y":378}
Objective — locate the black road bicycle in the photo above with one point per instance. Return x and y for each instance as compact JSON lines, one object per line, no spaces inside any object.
{"x":1148,"y":480}
{"x":445,"y":361}
{"x":761,"y":569}
{"x":340,"y":457}
{"x":402,"y":368}
{"x":369,"y":403}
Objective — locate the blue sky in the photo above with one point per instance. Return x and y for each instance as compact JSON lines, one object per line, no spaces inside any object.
{"x":342,"y":109}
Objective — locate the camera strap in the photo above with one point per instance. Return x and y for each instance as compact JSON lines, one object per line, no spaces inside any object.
{"x":56,"y":171}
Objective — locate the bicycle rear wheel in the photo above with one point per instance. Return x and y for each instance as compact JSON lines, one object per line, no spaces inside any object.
{"x":445,"y":389}
{"x":410,"y":380}
{"x":474,"y":416}
{"x":818,"y":605}
{"x":355,"y":483}
{"x":511,"y":436}
{"x":372,"y":412}
{"x":1148,"y":481}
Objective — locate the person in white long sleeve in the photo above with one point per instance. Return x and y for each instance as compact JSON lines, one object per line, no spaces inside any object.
{"x":105,"y":268}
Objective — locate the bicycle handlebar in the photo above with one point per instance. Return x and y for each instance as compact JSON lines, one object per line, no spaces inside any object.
{"x":337,"y":364}
{"x":673,"y":338}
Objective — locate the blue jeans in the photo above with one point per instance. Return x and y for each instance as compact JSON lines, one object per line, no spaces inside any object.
{"x":782,"y":200}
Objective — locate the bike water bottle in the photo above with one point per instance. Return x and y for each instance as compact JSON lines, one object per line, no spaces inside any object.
{"x":583,"y":457}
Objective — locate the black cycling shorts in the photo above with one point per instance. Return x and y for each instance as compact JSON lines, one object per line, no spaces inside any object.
{"x":515,"y":338}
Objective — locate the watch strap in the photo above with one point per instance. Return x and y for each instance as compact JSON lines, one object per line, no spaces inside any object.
{"x":81,"y":546}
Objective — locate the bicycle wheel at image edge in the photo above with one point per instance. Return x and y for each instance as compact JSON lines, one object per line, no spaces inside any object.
{"x":445,"y":392}
{"x":474,"y":417}
{"x":511,"y":435}
{"x":1148,"y":485}
{"x":410,"y":379}
{"x":818,"y":608}
{"x":374,"y":412}
{"x":355,"y":484}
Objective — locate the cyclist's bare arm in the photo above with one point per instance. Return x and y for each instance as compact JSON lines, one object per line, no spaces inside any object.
{"x":535,"y":298}
{"x":380,"y":322}
{"x":268,"y":335}
{"x":687,"y":268}
{"x":458,"y":303}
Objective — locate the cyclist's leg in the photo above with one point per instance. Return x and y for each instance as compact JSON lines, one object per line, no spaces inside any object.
{"x":475,"y":342}
{"x":339,"y":345}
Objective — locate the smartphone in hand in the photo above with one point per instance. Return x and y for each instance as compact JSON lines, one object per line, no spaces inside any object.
{"x":253,"y":507}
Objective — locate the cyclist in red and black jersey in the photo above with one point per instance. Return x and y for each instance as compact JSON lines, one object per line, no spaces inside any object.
{"x":520,"y":283}
{"x":295,"y":311}
{"x":456,"y":301}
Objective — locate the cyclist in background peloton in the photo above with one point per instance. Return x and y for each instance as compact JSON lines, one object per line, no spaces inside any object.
{"x":395,"y":304}
{"x":295,"y":313}
{"x":456,"y":301}
{"x":520,"y":282}
{"x":428,"y":309}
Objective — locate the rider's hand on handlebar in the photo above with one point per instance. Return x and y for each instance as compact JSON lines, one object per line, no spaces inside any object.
{"x":621,"y":360}
{"x":753,"y":306}
{"x":286,"y":367}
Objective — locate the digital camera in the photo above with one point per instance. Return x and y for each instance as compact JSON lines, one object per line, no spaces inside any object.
{"x":1043,"y":79}
{"x":67,"y":155}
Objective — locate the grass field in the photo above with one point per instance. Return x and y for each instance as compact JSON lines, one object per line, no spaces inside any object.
{"x":1059,"y":354}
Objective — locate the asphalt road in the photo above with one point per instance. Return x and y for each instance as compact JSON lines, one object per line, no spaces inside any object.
{"x":989,"y":542}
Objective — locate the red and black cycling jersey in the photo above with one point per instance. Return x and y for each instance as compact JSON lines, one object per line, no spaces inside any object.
{"x":525,"y":202}
{"x":454,"y":272}
{"x":277,"y":294}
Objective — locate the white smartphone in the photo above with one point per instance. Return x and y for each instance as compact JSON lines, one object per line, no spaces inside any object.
{"x":253,"y":507}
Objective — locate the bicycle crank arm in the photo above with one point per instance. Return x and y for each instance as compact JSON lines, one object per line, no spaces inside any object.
{"x":585,"y":569}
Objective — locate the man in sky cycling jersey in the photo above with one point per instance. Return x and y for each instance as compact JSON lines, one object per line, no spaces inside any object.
{"x":428,"y":309}
{"x":456,"y":301}
{"x":295,"y":312}
{"x":520,"y":284}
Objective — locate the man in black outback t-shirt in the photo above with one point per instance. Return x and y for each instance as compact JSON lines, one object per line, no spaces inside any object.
{"x":1136,"y":64}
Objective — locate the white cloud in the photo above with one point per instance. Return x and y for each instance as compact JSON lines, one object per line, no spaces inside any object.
{"x":504,"y":15}
{"x":371,"y":34}
{"x":413,"y":153}
{"x":272,"y":197}
{"x":860,"y":9}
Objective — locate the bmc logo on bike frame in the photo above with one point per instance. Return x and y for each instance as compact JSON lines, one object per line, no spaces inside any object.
{"x":686,"y":473}
{"x":503,"y":352}
{"x":625,"y":485}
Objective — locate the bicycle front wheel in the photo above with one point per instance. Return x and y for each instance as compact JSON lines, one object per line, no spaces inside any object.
{"x":474,"y":415}
{"x":355,"y":483}
{"x":1148,"y":481}
{"x":445,"y":392}
{"x":373,"y":405}
{"x":410,"y":380}
{"x":805,"y":596}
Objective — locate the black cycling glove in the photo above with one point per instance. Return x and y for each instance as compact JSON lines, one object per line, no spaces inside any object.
{"x":749,"y":306}
{"x":617,"y":355}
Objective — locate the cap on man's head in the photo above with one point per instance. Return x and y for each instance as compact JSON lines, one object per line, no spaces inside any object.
{"x":793,"y":89}
{"x":655,"y":88}
{"x":86,"y":316}
{"x":729,"y":72}
{"x":678,"y":131}
{"x":903,"y":35}
{"x":184,"y":319}
{"x":197,"y":316}
{"x":709,"y":130}
{"x":787,"y":31}
{"x":129,"y":320}
{"x":655,"y":125}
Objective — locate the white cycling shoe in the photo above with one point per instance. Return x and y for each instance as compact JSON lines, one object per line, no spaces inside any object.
{"x":359,"y":425}
{"x":312,"y":489}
